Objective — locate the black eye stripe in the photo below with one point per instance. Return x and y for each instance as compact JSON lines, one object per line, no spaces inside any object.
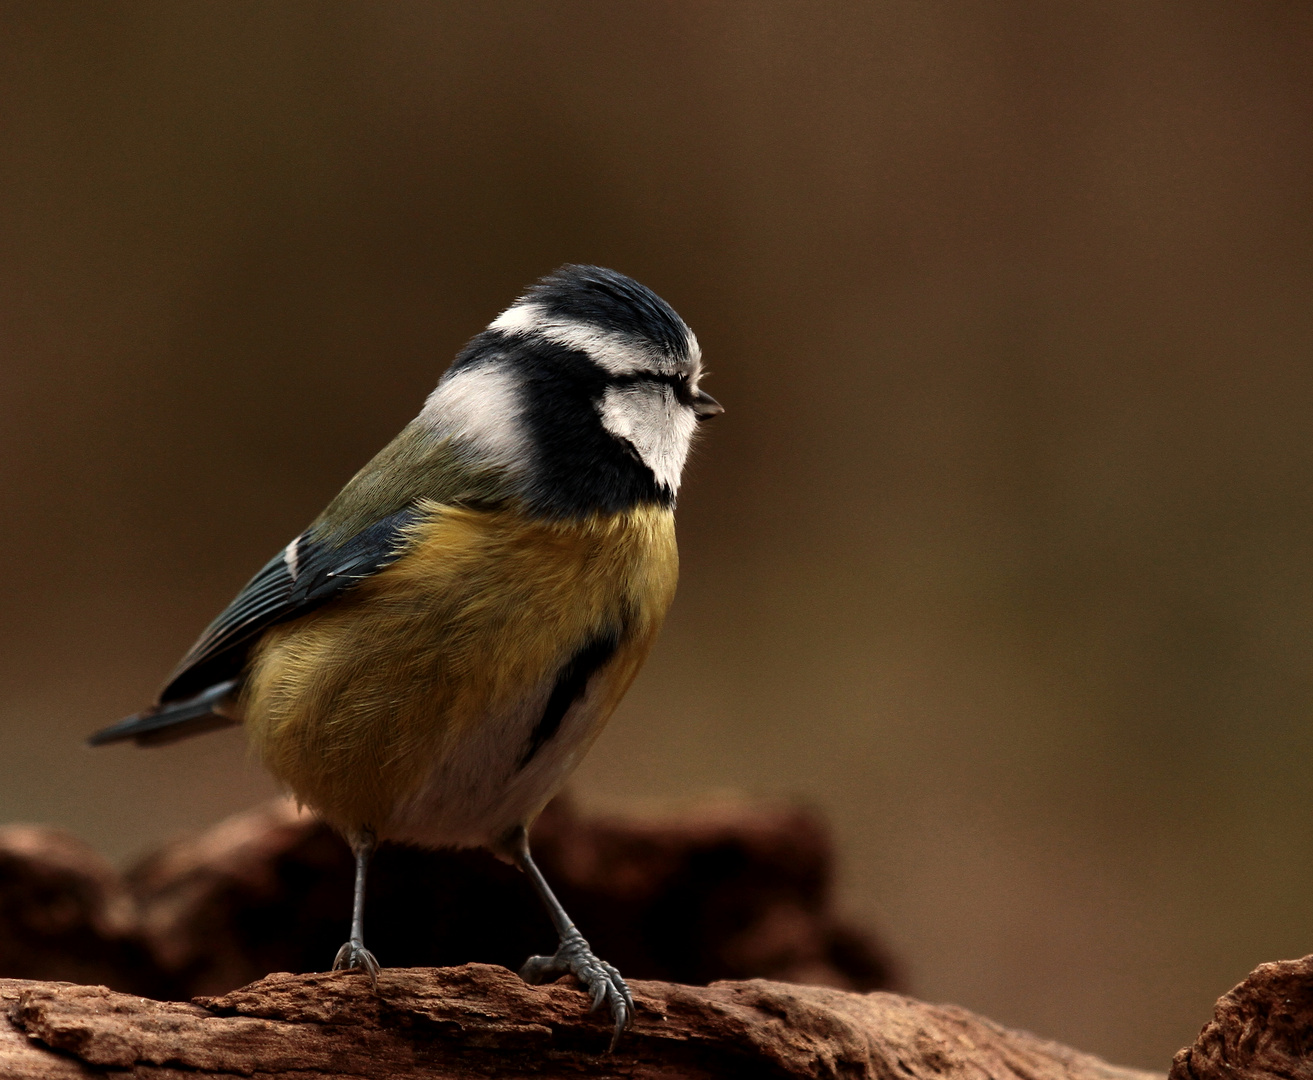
{"x":649,"y":376}
{"x":679,"y":383}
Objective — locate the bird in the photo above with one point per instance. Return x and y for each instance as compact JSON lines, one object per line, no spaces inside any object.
{"x":432,"y":657}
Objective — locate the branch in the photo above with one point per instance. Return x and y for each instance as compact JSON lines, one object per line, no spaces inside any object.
{"x":479,"y":1020}
{"x":1262,"y":1028}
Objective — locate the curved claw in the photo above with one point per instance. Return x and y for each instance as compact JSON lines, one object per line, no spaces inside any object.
{"x":601,"y":980}
{"x":621,"y":985}
{"x":353,"y":956}
{"x":622,"y":1019}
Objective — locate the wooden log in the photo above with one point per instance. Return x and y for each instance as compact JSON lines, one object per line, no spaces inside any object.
{"x":480,"y":1020}
{"x":1261,"y":1030}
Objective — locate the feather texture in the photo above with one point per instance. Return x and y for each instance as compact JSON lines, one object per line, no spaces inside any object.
{"x":295,"y":581}
{"x":162,"y":724}
{"x":410,"y":703}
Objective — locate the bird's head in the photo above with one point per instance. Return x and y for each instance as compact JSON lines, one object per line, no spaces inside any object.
{"x":585,"y":391}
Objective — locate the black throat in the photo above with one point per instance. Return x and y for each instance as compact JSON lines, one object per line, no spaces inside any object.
{"x":579,"y":467}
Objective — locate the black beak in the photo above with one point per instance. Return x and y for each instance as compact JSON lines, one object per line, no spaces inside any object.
{"x":705,"y":406}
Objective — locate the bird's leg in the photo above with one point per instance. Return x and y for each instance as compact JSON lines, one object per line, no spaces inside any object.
{"x":573,"y":956}
{"x":353,"y":956}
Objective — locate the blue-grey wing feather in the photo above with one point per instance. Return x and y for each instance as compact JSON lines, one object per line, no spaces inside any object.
{"x":307,"y":573}
{"x":284,"y":589}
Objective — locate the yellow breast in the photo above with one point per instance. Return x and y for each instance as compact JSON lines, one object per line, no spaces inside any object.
{"x":351,"y":705}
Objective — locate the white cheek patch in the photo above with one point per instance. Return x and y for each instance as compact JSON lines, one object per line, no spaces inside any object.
{"x":615,"y":353}
{"x":651,"y":418}
{"x":480,"y":406}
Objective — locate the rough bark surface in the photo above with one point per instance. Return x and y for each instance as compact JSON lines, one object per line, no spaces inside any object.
{"x":1261,"y":1030}
{"x":479,"y":1021}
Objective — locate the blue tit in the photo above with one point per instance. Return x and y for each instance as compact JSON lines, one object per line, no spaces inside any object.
{"x":432,"y":657}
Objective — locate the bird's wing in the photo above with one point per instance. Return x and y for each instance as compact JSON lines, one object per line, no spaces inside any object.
{"x":306,"y":573}
{"x":298,"y":579}
{"x":361,"y":532}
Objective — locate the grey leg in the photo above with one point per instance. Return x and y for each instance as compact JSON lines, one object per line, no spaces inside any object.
{"x":573,"y":956}
{"x":353,"y":956}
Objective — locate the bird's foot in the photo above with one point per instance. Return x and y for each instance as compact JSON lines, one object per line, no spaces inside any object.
{"x":353,"y":956}
{"x":599,"y":978}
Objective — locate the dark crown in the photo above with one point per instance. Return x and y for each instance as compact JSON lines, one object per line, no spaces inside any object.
{"x":604,"y":298}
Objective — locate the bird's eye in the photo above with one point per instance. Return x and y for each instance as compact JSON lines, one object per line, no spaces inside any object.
{"x":683,"y":388}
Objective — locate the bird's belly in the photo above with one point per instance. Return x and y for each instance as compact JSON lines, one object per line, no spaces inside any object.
{"x":481,"y":787}
{"x":413,"y":706}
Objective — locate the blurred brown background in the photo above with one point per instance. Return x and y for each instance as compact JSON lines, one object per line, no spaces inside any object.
{"x":1000,"y":557}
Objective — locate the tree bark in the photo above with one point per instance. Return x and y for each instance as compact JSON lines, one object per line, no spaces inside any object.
{"x":479,"y":1020}
{"x":1263,"y":1029}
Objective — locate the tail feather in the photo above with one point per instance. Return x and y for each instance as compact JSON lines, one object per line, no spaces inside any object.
{"x":174,"y":720}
